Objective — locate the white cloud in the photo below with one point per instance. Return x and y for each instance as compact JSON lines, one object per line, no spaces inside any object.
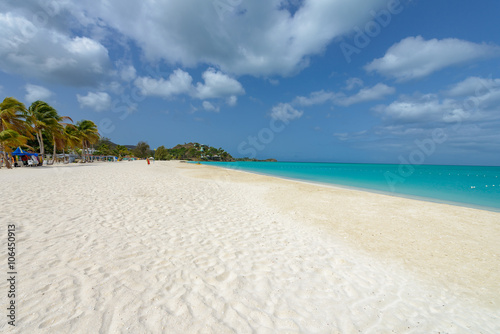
{"x":34,"y":93}
{"x":49,"y":54}
{"x":128,"y":73}
{"x":113,"y":86}
{"x":285,"y":112}
{"x":477,"y":94}
{"x":260,"y":37}
{"x":377,"y":92}
{"x":209,"y":106}
{"x":99,"y":101}
{"x":431,"y":109}
{"x":232,"y":100}
{"x":217,"y":84}
{"x":315,"y":98}
{"x":179,"y":82}
{"x":470,"y":121}
{"x":473,"y":86}
{"x":352,"y":83}
{"x":414,"y":57}
{"x":425,"y":108}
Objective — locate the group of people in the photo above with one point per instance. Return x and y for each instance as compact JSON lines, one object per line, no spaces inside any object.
{"x":22,"y":160}
{"x":27,"y":161}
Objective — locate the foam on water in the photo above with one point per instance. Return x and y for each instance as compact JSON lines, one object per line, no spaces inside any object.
{"x":475,"y":186}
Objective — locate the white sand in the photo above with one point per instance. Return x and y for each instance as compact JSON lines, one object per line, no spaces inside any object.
{"x":174,"y":248}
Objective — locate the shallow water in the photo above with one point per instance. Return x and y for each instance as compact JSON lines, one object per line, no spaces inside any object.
{"x":475,"y":186}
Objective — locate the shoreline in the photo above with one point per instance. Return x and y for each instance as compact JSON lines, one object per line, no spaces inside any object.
{"x":375,"y":191}
{"x":403,"y":210}
{"x":183,"y":248}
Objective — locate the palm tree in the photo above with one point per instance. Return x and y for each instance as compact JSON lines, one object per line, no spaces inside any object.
{"x":13,"y":128}
{"x":43,"y":118}
{"x":72,"y":137}
{"x":121,"y":151}
{"x":88,"y":135}
{"x":58,"y":134}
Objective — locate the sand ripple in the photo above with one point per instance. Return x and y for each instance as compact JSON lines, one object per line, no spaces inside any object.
{"x":127,"y":248}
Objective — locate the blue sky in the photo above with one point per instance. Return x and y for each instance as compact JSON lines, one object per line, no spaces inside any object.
{"x":299,"y":80}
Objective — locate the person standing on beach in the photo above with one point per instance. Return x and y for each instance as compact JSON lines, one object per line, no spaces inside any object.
{"x":147,"y":160}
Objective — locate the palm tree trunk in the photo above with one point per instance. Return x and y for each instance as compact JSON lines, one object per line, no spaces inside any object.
{"x":40,"y":143}
{"x":54,"y":153}
{"x":84,"y":158}
{"x":5,"y":158}
{"x":1,"y":145}
{"x":8,"y":163}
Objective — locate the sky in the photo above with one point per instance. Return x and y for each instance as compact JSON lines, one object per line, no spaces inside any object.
{"x":361,"y":81}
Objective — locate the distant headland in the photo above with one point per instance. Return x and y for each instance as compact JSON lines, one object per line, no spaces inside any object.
{"x":186,"y":151}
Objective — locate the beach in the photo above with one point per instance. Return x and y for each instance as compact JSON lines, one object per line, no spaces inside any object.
{"x":172,"y":247}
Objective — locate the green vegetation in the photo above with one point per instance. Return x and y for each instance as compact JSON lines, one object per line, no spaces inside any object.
{"x":40,"y":127}
{"x":194,"y":152}
{"x":20,"y":127}
{"x":106,"y":147}
{"x":190,"y":151}
{"x":253,"y":159}
{"x":14,"y":130}
{"x":142,"y":150}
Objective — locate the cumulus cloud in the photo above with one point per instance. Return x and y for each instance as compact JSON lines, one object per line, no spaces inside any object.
{"x":49,"y":54}
{"x":352,"y":83}
{"x":216,"y":85}
{"x":435,"y":109}
{"x":414,"y":57}
{"x":377,"y":92}
{"x":424,"y":108}
{"x":315,"y":98}
{"x":285,"y":112}
{"x":260,"y":37}
{"x":209,"y":106}
{"x":232,"y":100}
{"x":179,"y":82}
{"x":473,"y":86}
{"x":99,"y":101}
{"x":470,"y":121}
{"x":34,"y":93}
{"x":128,"y":73}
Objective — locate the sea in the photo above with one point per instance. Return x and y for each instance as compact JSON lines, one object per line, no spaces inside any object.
{"x":471,"y":186}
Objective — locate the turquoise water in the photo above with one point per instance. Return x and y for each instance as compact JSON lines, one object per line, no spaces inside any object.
{"x":473,"y":186}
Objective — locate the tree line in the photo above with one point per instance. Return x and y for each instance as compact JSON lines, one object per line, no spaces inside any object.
{"x":40,"y":126}
{"x":189,"y":151}
{"x":192,"y":151}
